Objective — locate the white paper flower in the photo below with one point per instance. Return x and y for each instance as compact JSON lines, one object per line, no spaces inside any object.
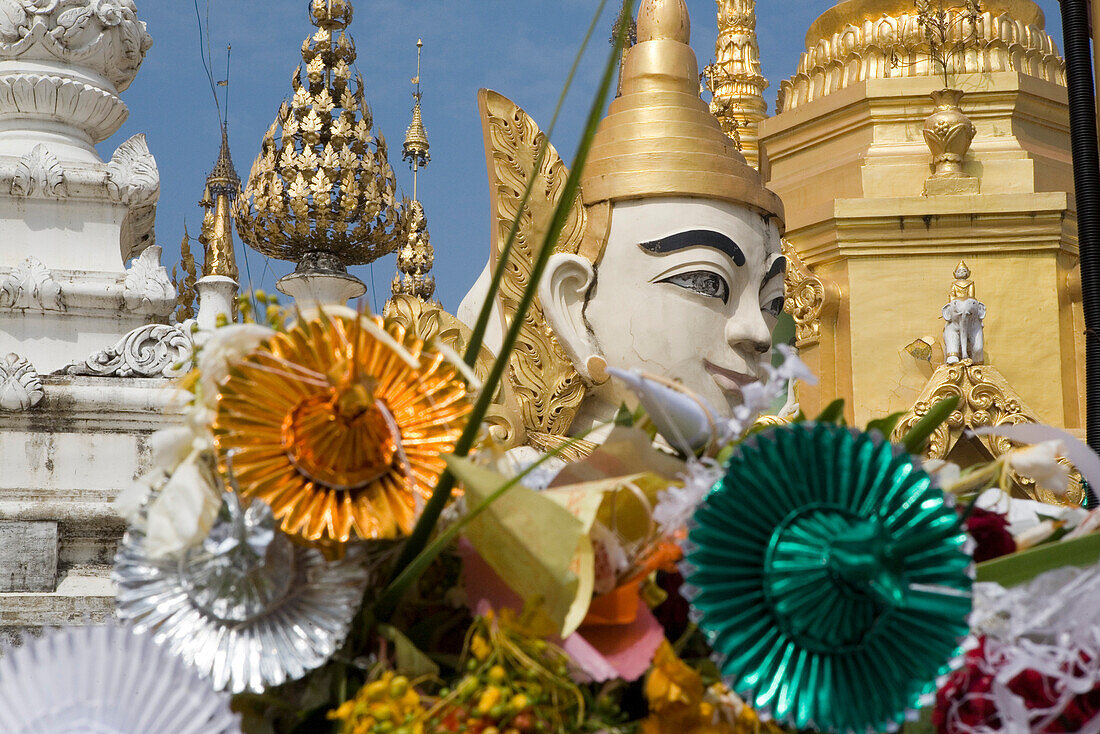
{"x":792,"y":368}
{"x":676,"y":505}
{"x":1040,"y":464}
{"x":183,"y":511}
{"x":225,"y":346}
{"x":944,"y":472}
{"x":685,"y":422}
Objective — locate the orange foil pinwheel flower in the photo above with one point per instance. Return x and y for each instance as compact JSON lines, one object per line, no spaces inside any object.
{"x":340,"y":425}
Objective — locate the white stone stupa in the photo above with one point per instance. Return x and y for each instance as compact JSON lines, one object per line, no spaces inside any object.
{"x":86,"y":346}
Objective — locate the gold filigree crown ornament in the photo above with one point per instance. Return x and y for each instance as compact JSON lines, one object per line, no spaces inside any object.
{"x":340,"y":425}
{"x":659,"y":139}
{"x":322,"y":192}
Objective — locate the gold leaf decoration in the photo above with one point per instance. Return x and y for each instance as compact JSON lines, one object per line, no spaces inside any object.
{"x":322,"y":192}
{"x":546,"y":387}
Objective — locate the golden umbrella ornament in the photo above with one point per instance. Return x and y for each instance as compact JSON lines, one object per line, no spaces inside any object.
{"x":340,"y":425}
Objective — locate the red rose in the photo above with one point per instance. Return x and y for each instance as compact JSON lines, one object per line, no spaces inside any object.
{"x":990,"y":531}
{"x":963,"y":692}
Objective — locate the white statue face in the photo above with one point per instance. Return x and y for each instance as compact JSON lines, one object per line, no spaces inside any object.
{"x":688,"y":289}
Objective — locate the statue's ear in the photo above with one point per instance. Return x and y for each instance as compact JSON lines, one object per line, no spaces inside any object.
{"x":981,"y":310}
{"x":562,"y":293}
{"x":948,"y":311}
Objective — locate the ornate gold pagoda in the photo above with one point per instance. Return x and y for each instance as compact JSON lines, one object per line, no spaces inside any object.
{"x":322,"y":192}
{"x":736,"y":80}
{"x":869,"y":244}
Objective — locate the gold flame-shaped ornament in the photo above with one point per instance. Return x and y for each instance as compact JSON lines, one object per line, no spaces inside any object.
{"x":333,"y":426}
{"x":322,"y":192}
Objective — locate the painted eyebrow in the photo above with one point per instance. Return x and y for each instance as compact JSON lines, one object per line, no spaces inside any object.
{"x":779,"y":267}
{"x":696,"y":238}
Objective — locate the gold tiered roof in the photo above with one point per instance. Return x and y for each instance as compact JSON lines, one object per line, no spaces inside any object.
{"x":322,"y":192}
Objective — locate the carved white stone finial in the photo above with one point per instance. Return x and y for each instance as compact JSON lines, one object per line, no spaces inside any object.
{"x":20,"y":385}
{"x":104,"y":36}
{"x":30,"y":286}
{"x":147,"y":283}
{"x":132,"y":175}
{"x":39,"y":173}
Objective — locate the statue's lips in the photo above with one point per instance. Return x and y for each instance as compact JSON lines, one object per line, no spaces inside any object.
{"x":728,"y":380}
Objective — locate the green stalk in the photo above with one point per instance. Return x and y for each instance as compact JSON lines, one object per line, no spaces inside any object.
{"x":477,"y":337}
{"x":426,"y":525}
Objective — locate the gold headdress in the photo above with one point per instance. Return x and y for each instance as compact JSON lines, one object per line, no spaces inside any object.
{"x":659,"y":138}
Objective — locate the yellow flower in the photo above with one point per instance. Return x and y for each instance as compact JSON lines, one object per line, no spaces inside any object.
{"x":678,"y":702}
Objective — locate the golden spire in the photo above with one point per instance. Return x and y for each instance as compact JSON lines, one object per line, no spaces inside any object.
{"x":416,"y":146}
{"x":659,"y":138}
{"x":222,"y":186}
{"x":736,"y":80}
{"x":322,"y":192}
{"x":416,"y":257}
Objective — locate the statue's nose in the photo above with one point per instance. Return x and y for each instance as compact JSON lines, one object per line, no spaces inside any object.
{"x":747,"y":331}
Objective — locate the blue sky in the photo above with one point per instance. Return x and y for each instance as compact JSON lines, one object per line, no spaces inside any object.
{"x":522,"y":48}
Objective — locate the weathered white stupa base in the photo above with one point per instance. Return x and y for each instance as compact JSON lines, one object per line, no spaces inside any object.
{"x":312,"y":289}
{"x":65,"y":460}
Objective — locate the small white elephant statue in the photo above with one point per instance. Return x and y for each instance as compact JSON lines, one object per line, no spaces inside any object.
{"x":963,"y":336}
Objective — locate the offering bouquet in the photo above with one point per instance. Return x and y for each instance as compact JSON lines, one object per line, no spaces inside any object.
{"x":334,"y":541}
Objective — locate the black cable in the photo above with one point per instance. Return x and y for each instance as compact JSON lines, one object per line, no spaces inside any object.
{"x":1086,"y":181}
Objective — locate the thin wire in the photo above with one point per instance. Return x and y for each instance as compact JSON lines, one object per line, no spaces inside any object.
{"x":203,"y":38}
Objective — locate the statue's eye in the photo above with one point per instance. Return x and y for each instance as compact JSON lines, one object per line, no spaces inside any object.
{"x":775,"y":306}
{"x":703,"y":282}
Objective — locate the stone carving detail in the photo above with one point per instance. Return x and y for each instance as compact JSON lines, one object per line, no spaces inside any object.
{"x":20,"y":385}
{"x":147,"y":283}
{"x":132,"y":175}
{"x":809,"y":298}
{"x":895,"y":46}
{"x":102,"y":35}
{"x":155,"y":350}
{"x":96,"y":111}
{"x":39,"y":173}
{"x":133,"y":179}
{"x":30,"y":286}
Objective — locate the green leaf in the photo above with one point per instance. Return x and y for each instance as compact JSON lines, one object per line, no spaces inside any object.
{"x":886,"y":425}
{"x":410,"y":660}
{"x":527,"y":538}
{"x":425,"y":526}
{"x":915,"y":440}
{"x":833,"y":413}
{"x":623,"y":417}
{"x":395,"y":590}
{"x":1018,"y":568}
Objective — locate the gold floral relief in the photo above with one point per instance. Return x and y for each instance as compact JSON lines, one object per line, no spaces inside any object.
{"x":985,"y":399}
{"x":546,"y":387}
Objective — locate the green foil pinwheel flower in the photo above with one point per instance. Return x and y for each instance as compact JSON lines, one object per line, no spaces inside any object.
{"x":831,"y":577}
